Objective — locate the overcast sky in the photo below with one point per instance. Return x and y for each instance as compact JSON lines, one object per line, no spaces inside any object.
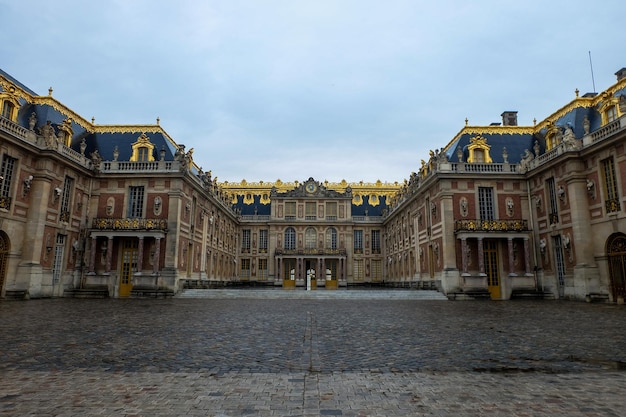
{"x":330,"y":89}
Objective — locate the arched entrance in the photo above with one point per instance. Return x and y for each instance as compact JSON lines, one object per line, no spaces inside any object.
{"x":616,"y":252}
{"x":5,"y":246}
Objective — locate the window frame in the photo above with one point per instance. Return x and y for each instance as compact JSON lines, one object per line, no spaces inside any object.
{"x":136,"y":201}
{"x":289,"y":242}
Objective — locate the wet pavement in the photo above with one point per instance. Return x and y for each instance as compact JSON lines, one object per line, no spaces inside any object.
{"x":311,"y":357}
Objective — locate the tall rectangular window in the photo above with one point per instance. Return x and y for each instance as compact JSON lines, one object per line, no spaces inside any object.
{"x":331,"y":211}
{"x":376,"y":241}
{"x":358,"y":270}
{"x":57,"y":263}
{"x":263,"y":268}
{"x":245,"y":268}
{"x":377,"y":270}
{"x":310,"y":210}
{"x":290,"y":210}
{"x":553,"y":207}
{"x":7,"y":171}
{"x":263,"y":240}
{"x":358,"y":241}
{"x":66,"y":196}
{"x":611,"y":201}
{"x":485,"y":203}
{"x":135,"y":201}
{"x":245,"y":241}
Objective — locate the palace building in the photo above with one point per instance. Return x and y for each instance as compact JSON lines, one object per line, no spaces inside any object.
{"x":500,"y":211}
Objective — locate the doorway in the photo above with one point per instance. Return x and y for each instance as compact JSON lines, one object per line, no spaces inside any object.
{"x":5,"y":246}
{"x":616,"y":251}
{"x":490,"y":251}
{"x":129,"y":266}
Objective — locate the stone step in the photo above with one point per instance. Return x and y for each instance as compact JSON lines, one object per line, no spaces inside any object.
{"x":86,"y":293}
{"x":319,"y":294}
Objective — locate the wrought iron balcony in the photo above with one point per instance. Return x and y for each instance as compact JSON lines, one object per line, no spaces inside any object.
{"x":129,"y":224}
{"x":5,"y":202}
{"x":612,"y":205}
{"x":477,"y":225}
{"x":64,"y":216}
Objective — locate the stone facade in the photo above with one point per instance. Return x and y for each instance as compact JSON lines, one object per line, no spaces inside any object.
{"x":501,"y":211}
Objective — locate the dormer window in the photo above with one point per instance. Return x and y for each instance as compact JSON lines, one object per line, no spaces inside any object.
{"x":143,"y":149}
{"x":611,"y":114}
{"x":7,"y":110}
{"x":9,"y":104}
{"x":609,"y":110}
{"x":479,"y":151}
{"x":142,"y":153}
{"x":553,"y":136}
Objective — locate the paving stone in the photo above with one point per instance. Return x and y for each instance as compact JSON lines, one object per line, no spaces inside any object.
{"x":299,"y":357}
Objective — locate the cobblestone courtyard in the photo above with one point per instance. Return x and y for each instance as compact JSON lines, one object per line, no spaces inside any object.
{"x":261,"y":357}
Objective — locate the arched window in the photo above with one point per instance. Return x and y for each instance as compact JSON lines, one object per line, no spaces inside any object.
{"x":310,"y":237}
{"x":290,"y":238}
{"x":331,"y":238}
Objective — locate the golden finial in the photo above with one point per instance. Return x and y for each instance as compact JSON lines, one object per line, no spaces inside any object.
{"x":50,"y":91}
{"x":576,"y":91}
{"x":93,"y":120}
{"x":466,"y":121}
{"x":158,"y":120}
{"x":535,"y":121}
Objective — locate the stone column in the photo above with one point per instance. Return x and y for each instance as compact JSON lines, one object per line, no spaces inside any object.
{"x":481,"y":257}
{"x":107,"y":268}
{"x":29,"y":272}
{"x":299,"y":268}
{"x":156,"y":256}
{"x":92,"y":255}
{"x":511,"y":257}
{"x":464,"y":254}
{"x":581,"y":222}
{"x":140,"y":256}
{"x":448,"y":249}
{"x":527,"y":256}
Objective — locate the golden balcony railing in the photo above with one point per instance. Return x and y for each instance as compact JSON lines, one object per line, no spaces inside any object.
{"x":129,"y":224}
{"x":304,"y":252}
{"x":477,"y":225}
{"x":612,"y":205}
{"x":5,"y":202}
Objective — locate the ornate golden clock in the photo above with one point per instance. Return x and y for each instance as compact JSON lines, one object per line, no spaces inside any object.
{"x":310,"y":187}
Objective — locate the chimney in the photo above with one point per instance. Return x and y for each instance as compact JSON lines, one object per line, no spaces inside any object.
{"x":509,"y":118}
{"x":621,"y":74}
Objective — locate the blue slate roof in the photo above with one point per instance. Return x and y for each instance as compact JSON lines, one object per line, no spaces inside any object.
{"x":16,"y":82}
{"x":515,"y":145}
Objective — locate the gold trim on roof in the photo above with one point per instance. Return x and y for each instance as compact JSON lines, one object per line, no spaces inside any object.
{"x":62,"y":108}
{"x":262,"y":189}
{"x":491,"y":130}
{"x":578,"y":102}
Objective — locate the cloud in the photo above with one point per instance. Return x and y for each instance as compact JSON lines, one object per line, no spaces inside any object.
{"x":291,"y":89}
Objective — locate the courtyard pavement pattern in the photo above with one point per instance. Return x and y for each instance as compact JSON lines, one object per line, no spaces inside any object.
{"x":257,"y":355}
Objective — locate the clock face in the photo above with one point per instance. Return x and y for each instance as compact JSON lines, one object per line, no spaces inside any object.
{"x":311,"y":187}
